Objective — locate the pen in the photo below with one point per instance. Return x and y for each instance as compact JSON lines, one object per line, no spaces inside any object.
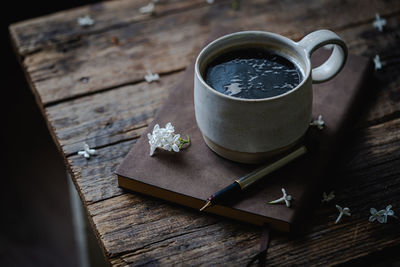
{"x":245,"y":181}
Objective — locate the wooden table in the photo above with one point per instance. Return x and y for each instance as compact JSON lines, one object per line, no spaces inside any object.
{"x":89,"y":84}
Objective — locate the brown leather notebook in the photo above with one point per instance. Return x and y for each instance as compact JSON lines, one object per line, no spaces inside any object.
{"x":192,"y":175}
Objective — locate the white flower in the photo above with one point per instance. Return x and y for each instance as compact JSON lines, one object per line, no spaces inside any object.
{"x":327,"y":198}
{"x":318,"y":122}
{"x":377,"y":62}
{"x":87,"y":151}
{"x":381,"y":216}
{"x":345,"y":211}
{"x":210,"y":1}
{"x":378,"y":22}
{"x":85,"y":21}
{"x":165,"y":138}
{"x":150,"y":77}
{"x":149,"y":8}
{"x":285,"y":198}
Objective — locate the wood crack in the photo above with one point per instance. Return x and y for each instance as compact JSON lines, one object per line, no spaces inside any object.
{"x":107,"y":145}
{"x":162,"y":240}
{"x":105,"y":89}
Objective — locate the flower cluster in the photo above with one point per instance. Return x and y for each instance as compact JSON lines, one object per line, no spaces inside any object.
{"x":87,"y":151}
{"x":382,"y":215}
{"x":165,"y":138}
{"x":342,"y":211}
{"x":149,"y":8}
{"x":85,"y":21}
{"x":284,"y":199}
{"x":319,"y":122}
{"x":150,"y":77}
{"x":377,"y":62}
{"x":379,"y":22}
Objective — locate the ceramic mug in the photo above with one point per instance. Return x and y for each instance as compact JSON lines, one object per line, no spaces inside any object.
{"x":253,"y":130}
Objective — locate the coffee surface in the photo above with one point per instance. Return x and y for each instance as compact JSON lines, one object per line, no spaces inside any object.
{"x":252,"y":73}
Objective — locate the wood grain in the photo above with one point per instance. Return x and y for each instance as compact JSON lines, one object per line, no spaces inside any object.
{"x":170,"y":41}
{"x":62,"y":27}
{"x":368,"y":177}
{"x":108,"y":117}
{"x":90,"y":88}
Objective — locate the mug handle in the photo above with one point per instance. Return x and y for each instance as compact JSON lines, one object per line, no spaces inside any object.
{"x":335,"y":62}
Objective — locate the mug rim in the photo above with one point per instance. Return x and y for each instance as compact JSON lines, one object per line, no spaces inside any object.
{"x":294,"y":45}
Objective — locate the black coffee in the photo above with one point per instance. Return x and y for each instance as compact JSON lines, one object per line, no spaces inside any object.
{"x":252,"y":73}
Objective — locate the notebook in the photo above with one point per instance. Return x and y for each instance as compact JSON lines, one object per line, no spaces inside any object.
{"x":192,"y":175}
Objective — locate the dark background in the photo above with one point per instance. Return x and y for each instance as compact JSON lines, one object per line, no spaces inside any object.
{"x":36,"y":227}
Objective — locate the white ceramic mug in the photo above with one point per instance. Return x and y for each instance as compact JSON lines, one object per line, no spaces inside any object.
{"x":252,"y":130}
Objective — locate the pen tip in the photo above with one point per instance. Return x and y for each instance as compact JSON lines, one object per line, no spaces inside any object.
{"x":206,"y":205}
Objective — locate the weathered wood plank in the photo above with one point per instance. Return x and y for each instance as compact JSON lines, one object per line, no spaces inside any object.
{"x":95,"y":178}
{"x":381,"y":142}
{"x":62,"y":26}
{"x":120,"y":114}
{"x":387,"y":103}
{"x":41,"y":33}
{"x":131,"y":233}
{"x":156,"y":225}
{"x":110,"y":116}
{"x":94,"y":62}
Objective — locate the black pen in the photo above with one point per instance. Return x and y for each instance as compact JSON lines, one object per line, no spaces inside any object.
{"x":244,"y":182}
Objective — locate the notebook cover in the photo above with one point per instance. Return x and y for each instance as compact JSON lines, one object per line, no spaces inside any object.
{"x":192,"y":175}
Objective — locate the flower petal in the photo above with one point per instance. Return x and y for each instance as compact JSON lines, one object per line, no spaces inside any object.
{"x":167,"y":147}
{"x":175,"y":148}
{"x":373,"y":211}
{"x":152,"y":149}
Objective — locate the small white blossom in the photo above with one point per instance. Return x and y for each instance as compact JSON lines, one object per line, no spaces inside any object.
{"x":378,"y":22}
{"x":87,"y":151}
{"x":377,"y":62}
{"x":285,"y":198}
{"x":345,"y":211}
{"x":382,"y":215}
{"x":318,"y":122}
{"x":85,"y":21}
{"x":148,"y":9}
{"x":210,"y":1}
{"x":329,"y":197}
{"x":165,"y":138}
{"x":150,"y":77}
